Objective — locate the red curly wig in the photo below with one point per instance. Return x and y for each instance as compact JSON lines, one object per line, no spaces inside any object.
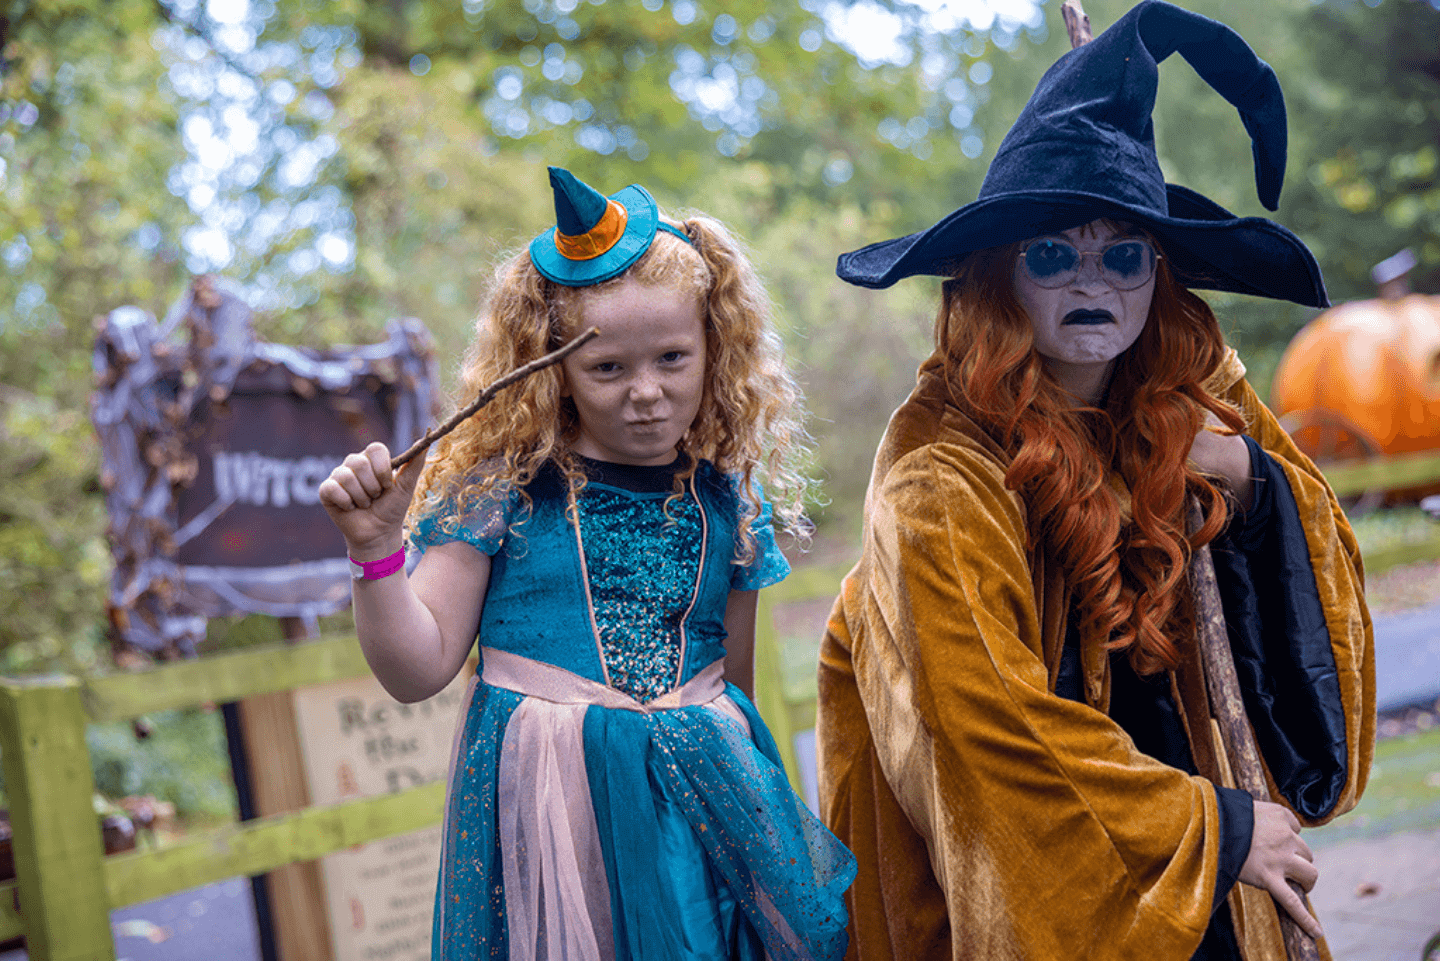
{"x":1106,"y":486}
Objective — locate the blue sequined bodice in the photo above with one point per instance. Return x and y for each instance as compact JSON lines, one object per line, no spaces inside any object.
{"x":643,"y":553}
{"x":636,"y":595}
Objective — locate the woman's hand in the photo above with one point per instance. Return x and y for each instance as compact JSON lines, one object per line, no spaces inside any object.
{"x":1278,"y":855}
{"x":367,"y":501}
{"x":1224,"y":455}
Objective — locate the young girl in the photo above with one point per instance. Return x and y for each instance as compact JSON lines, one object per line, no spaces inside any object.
{"x":613,"y":792}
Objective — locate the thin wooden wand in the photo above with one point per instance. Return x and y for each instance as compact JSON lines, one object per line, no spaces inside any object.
{"x":432,"y":434}
{"x":1229,"y":710}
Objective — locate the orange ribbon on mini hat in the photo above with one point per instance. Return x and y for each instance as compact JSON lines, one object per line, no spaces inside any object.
{"x":599,"y":239}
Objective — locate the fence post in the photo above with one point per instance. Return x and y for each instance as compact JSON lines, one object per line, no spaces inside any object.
{"x":770,"y":690}
{"x":59,"y":852}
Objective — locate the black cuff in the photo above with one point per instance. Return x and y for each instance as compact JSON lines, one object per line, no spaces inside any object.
{"x":1237,"y":824}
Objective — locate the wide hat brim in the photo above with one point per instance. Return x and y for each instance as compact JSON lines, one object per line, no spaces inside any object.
{"x":1205,"y":246}
{"x":642,"y":219}
{"x":1083,"y":147}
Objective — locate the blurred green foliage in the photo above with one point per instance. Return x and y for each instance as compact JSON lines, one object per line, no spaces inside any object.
{"x":1372,"y":185}
{"x":356,"y":160}
{"x":183,"y":761}
{"x":54,"y":562}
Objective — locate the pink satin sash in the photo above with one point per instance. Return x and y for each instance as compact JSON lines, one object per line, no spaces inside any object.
{"x":557,"y":898}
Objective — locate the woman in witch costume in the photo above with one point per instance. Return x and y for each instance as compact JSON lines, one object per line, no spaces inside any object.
{"x":1014,"y":734}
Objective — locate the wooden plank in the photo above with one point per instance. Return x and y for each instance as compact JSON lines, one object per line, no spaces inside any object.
{"x":223,"y":678}
{"x":1383,"y":473}
{"x":785,"y":714}
{"x":277,"y":785}
{"x":271,"y":737}
{"x":56,"y":835}
{"x":12,"y":925}
{"x":809,"y":583}
{"x":769,"y":688}
{"x":259,"y":846}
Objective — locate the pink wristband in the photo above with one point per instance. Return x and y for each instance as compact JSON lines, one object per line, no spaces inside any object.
{"x":374,"y":570}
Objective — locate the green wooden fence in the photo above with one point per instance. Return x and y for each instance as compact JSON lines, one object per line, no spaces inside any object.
{"x":1390,"y":473}
{"x":67,"y":886}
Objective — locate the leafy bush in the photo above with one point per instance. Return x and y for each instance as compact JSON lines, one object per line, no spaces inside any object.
{"x":183,"y":761}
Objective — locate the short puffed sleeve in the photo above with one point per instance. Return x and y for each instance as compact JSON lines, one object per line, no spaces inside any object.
{"x":483,"y":525}
{"x":769,"y":565}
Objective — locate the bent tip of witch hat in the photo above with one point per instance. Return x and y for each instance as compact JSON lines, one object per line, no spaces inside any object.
{"x":1084,"y":148}
{"x":595,"y":237}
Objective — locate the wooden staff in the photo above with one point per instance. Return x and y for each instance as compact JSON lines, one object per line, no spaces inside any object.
{"x":1221,"y":681}
{"x":433,"y":434}
{"x":1077,"y":24}
{"x":1229,"y":709}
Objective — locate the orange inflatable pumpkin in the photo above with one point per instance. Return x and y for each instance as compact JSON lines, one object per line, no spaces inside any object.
{"x":1363,"y":379}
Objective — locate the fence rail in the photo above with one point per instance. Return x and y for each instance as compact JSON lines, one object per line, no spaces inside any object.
{"x":1385,"y":473}
{"x":66,"y":906}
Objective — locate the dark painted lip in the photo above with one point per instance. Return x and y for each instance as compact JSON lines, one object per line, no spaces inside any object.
{"x":1088,"y":317}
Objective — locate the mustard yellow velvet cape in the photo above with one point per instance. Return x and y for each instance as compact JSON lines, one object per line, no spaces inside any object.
{"x":993,"y":819}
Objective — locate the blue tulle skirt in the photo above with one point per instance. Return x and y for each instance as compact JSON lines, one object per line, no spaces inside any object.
{"x":707,"y":851}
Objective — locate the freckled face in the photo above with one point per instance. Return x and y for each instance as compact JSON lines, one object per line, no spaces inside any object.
{"x":1082,"y":327}
{"x":637,"y":387}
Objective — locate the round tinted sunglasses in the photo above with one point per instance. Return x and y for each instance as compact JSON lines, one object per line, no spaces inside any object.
{"x":1125,"y":264}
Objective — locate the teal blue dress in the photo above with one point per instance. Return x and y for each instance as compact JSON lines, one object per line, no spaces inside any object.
{"x":707,"y":851}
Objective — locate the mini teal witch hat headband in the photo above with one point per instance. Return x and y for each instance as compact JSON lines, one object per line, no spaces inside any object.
{"x":595,"y":237}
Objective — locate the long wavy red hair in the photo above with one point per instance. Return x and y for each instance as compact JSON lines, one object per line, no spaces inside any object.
{"x":1123,"y":557}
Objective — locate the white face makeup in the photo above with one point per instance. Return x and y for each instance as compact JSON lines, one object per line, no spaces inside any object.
{"x":1081,"y":326}
{"x":637,"y":387}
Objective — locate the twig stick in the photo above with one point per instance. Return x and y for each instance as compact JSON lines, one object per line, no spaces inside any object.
{"x":1229,"y":710}
{"x":1077,"y":24}
{"x":432,"y":434}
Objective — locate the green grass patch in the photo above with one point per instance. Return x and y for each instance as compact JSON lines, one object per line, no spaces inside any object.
{"x":1403,"y":793}
{"x":1393,"y":527}
{"x":183,"y":761}
{"x":1393,"y":536}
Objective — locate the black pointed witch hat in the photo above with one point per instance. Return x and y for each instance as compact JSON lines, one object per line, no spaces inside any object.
{"x":1084,"y":148}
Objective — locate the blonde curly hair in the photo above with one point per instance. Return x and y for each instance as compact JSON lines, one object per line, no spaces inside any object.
{"x":751,"y":422}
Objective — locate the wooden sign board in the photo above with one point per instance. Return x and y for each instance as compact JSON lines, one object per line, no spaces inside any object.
{"x":213,"y":447}
{"x":356,"y":741}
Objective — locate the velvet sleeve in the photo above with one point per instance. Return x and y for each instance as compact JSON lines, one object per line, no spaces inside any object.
{"x":1292,"y":584}
{"x":1045,"y":797}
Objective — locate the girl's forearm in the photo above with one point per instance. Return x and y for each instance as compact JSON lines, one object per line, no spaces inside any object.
{"x":400,"y":638}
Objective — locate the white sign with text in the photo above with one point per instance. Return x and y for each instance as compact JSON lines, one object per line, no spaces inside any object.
{"x":358,"y":741}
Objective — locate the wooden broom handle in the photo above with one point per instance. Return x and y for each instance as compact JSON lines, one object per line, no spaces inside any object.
{"x":1220,"y":679}
{"x":1228,"y":707}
